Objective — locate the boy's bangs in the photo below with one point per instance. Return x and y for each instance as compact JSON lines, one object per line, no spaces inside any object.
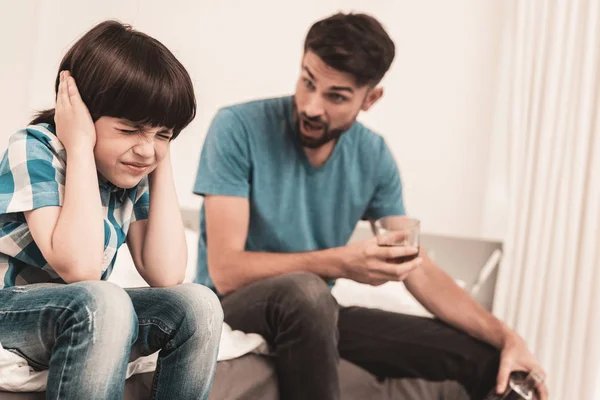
{"x":139,"y":80}
{"x":127,"y":74}
{"x":149,"y":97}
{"x":157,"y":101}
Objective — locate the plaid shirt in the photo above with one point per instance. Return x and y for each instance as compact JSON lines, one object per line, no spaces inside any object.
{"x":32,"y":175}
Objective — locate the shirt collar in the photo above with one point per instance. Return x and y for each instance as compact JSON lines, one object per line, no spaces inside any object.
{"x":108,"y":186}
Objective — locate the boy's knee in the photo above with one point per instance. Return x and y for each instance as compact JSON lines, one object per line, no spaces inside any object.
{"x":104,"y":308}
{"x":199,"y":308}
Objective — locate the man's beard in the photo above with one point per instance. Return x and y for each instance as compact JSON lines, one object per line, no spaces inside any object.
{"x":327,"y":136}
{"x":316,"y":142}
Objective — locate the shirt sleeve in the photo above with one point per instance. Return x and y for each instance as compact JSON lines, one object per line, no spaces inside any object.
{"x":225,"y":166}
{"x":141,"y":206}
{"x":387,"y":198}
{"x":32,"y":172}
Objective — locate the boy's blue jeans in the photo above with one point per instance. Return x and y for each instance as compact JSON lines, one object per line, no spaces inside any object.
{"x":85,"y":334}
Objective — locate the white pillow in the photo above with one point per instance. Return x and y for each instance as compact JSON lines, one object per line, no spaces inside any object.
{"x":125,"y":275}
{"x":391,"y":296}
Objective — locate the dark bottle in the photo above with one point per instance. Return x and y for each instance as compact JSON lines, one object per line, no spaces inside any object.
{"x":520,"y":387}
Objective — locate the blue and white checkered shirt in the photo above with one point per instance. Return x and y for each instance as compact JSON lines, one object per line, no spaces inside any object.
{"x":32,"y":175}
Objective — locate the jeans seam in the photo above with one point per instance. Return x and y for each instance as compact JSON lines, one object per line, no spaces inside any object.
{"x":158,"y":323}
{"x":155,"y":380}
{"x":66,"y":365}
{"x":62,"y":308}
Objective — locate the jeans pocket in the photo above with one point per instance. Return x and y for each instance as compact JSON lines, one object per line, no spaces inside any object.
{"x":33,"y":364}
{"x":153,"y":335}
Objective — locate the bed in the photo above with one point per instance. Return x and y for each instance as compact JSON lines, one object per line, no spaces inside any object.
{"x":252,"y":376}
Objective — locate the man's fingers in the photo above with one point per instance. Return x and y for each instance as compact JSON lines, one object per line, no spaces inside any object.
{"x":503,"y":376}
{"x":378,"y":282}
{"x":395,"y":252}
{"x":383,"y":270}
{"x":391,"y":238}
{"x":405,"y":268}
{"x":394,"y":272}
{"x":542,"y":391}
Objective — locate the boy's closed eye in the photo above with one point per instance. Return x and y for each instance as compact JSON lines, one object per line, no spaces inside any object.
{"x":163,"y":133}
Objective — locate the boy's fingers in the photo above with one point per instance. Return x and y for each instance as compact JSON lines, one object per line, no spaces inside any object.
{"x":73,"y":90}
{"x":63,"y":96}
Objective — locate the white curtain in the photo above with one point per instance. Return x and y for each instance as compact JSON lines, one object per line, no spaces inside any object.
{"x":546,"y":155}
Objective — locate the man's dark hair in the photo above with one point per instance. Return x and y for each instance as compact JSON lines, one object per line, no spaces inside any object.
{"x":353,"y":43}
{"x":124,"y":73}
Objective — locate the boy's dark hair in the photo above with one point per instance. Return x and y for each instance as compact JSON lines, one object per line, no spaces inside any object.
{"x":353,"y":43}
{"x":127,"y":74}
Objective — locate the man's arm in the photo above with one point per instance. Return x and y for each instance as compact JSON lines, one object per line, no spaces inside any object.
{"x":433,"y":288}
{"x":438,"y":292}
{"x":231,"y":267}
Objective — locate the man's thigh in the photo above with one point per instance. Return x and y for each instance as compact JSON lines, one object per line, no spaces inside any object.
{"x":246,"y":309}
{"x":392,"y":345}
{"x":268,"y":305}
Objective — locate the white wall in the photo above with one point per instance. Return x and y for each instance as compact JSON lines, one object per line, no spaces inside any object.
{"x":17,"y":44}
{"x":436,"y":114}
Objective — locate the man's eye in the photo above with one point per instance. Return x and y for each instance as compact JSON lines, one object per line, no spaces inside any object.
{"x":165,"y":137}
{"x":308,"y":84}
{"x":128,"y":131}
{"x":336,"y":98}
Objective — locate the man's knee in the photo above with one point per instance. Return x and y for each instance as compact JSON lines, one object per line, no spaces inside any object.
{"x":305,"y":296}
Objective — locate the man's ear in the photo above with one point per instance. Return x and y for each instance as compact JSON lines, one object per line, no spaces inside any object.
{"x":374,"y":95}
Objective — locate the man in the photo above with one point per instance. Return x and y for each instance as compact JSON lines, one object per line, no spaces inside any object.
{"x":285,"y":181}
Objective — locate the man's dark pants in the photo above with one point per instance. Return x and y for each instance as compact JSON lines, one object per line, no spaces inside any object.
{"x":308,"y":332}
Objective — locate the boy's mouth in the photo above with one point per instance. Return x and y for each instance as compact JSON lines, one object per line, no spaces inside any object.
{"x":137,"y":167}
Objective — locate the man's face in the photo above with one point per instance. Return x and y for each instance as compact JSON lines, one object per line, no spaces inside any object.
{"x":327,"y":102}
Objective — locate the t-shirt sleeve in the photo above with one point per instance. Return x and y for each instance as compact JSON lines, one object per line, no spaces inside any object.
{"x":141,"y":206}
{"x":387,"y":198}
{"x":32,"y":173}
{"x":225,"y":166}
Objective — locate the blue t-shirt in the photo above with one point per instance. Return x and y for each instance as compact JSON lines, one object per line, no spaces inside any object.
{"x":252,"y":150}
